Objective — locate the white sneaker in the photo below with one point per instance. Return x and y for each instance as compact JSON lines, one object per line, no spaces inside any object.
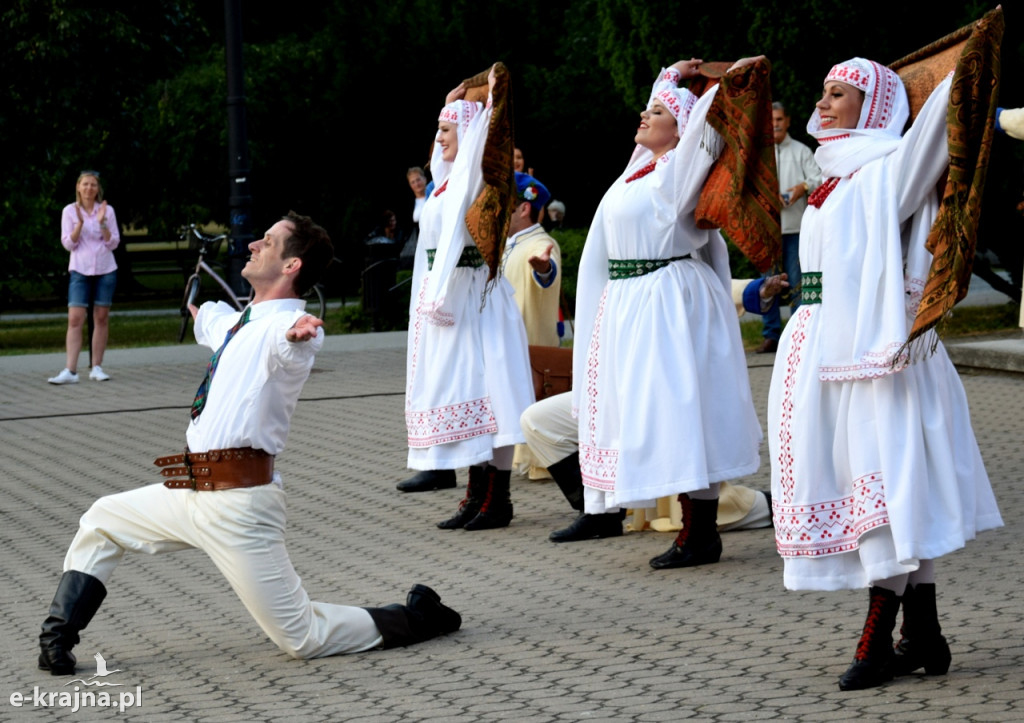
{"x":98,"y":375}
{"x":65,"y":377}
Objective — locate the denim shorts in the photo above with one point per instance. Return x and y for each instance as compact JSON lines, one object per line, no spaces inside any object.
{"x":98,"y":289}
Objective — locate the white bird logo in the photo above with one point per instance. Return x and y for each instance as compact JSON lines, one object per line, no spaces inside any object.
{"x":101,"y":672}
{"x":101,"y":668}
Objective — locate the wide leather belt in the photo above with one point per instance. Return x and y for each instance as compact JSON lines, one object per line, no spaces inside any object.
{"x":218,"y":469}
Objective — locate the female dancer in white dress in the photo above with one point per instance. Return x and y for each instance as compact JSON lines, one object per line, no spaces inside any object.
{"x":661,"y":386}
{"x":467,"y":374}
{"x":875,"y":468}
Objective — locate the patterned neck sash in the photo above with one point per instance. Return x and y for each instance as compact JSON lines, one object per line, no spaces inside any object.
{"x":200,"y":401}
{"x":822,"y":192}
{"x":642,"y":172}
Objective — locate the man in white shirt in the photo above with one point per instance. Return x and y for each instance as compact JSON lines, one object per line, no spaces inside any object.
{"x":799,"y":175}
{"x":223,"y":495}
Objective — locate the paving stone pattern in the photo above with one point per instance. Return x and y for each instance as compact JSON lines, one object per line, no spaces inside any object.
{"x":574,"y":632}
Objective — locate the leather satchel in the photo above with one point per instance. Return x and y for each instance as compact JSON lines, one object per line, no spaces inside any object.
{"x":551,"y":367}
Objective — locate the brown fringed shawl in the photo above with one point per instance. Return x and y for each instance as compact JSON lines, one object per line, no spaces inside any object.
{"x":974,"y":51}
{"x":488,"y":218}
{"x":741,"y":194}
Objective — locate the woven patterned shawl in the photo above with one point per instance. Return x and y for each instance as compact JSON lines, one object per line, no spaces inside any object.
{"x":488,"y":218}
{"x":741,"y":194}
{"x":974,"y":51}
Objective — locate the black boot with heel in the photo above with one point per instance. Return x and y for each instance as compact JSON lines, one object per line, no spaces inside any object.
{"x":873,"y":662}
{"x":470,"y":505}
{"x":698,"y":543}
{"x":921,"y":643}
{"x":496,"y":508}
{"x":76,"y":601}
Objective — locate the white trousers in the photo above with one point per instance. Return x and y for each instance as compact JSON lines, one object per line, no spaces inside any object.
{"x":553,"y":434}
{"x":243,"y":533}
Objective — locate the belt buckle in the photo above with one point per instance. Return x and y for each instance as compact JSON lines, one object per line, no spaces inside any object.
{"x":188,"y":466}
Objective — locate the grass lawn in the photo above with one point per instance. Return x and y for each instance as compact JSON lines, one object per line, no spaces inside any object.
{"x":47,"y":335}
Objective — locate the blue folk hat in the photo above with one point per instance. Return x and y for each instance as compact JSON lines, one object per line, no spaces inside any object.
{"x":530,"y":189}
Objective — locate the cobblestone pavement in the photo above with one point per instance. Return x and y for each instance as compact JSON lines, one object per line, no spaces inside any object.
{"x":583,"y":631}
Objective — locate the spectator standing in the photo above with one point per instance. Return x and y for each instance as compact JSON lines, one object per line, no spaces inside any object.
{"x":88,"y":230}
{"x":799,"y":176}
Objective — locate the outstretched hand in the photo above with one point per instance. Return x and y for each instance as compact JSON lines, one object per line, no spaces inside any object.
{"x":773,"y":286}
{"x":304,"y":329}
{"x":541,"y":263}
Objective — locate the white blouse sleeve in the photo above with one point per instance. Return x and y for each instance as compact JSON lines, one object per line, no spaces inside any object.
{"x":923,"y":153}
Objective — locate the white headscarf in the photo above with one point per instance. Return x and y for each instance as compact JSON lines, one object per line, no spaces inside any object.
{"x":882,"y":116}
{"x":459,"y":113}
{"x":679,"y":101}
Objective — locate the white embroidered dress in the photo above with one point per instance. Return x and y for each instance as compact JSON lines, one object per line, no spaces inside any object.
{"x":874,"y":464}
{"x":467,"y":369}
{"x":660,"y":376}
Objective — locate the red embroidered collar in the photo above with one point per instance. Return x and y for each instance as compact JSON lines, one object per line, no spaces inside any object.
{"x":642,"y":172}
{"x":444,"y":185}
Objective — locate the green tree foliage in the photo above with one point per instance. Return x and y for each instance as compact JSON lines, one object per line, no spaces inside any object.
{"x":75,"y":74}
{"x":342,"y":98}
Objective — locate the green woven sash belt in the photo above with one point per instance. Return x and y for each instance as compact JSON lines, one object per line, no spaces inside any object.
{"x":470,"y":257}
{"x":810,"y":287}
{"x":631,"y":268}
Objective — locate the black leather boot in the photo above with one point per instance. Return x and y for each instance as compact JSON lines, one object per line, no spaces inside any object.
{"x":77,"y":599}
{"x":470,"y":505}
{"x":921,"y":643}
{"x":566,"y":473}
{"x":873,"y":661}
{"x":436,"y":479}
{"x":698,"y":543}
{"x":591,"y":527}
{"x":421,"y":618}
{"x":496,"y":510}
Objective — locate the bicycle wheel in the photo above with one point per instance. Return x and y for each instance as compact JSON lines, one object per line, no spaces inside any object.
{"x":191,"y":294}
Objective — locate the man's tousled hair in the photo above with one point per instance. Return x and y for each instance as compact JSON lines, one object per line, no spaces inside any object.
{"x":311,"y":244}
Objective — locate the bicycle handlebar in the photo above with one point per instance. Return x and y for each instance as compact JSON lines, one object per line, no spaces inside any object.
{"x":204,"y":239}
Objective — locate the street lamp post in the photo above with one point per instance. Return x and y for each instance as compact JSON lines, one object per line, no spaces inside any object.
{"x":239,"y":198}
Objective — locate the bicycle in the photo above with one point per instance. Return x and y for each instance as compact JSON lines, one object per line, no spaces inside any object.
{"x":208,"y":247}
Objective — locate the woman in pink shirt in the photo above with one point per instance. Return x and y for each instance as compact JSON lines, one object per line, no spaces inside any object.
{"x":88,"y":229}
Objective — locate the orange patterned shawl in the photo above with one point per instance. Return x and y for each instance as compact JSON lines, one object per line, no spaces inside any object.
{"x":973,"y":54}
{"x":741,"y":194}
{"x":488,"y":218}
